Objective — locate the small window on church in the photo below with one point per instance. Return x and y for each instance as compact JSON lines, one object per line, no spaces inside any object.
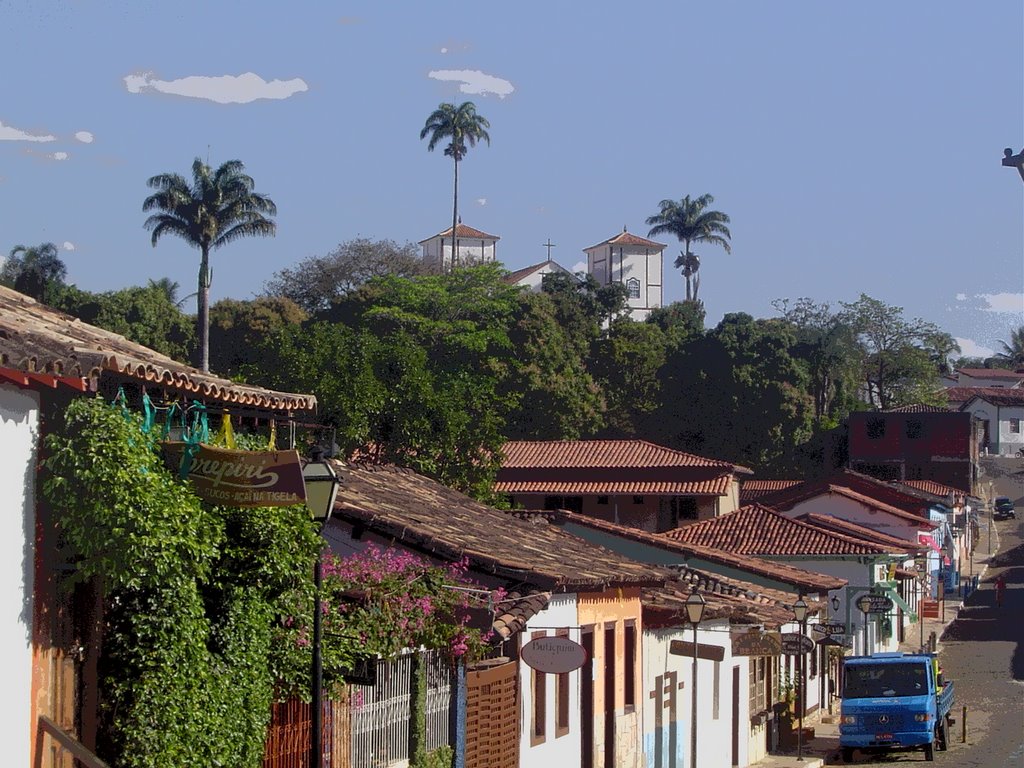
{"x":633,"y":287}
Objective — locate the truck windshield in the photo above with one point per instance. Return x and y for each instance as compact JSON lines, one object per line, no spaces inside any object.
{"x":893,"y":679}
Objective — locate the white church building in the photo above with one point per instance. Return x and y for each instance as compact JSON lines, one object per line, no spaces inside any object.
{"x":634,"y":261}
{"x":471,"y":246}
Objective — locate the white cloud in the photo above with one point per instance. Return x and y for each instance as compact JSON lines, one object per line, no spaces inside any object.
{"x":1003,"y":302}
{"x":579,"y":266}
{"x":68,"y":245}
{"x":479,"y":201}
{"x":58,"y":155}
{"x":961,"y":297}
{"x":444,"y":50}
{"x":223,"y":89}
{"x":84,"y":136}
{"x":474,"y":81}
{"x":971,"y":348}
{"x":9,"y":133}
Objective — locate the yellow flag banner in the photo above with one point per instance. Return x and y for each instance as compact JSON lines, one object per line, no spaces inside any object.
{"x":241,"y":478}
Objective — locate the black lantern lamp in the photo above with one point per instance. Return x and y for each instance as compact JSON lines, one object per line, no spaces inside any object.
{"x":322,"y":482}
{"x":695,"y":605}
{"x":800,"y":614}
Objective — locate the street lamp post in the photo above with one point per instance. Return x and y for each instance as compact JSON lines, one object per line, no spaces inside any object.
{"x":321,"y":481}
{"x":800,"y":613}
{"x":695,"y":604}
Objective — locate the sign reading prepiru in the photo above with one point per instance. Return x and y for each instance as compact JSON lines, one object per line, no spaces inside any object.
{"x":242,"y":478}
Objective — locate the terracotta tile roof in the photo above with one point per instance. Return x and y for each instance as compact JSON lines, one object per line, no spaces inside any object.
{"x":716,"y":486}
{"x":868,"y":501}
{"x":992,"y":373}
{"x":461,"y":230}
{"x":998,"y":396}
{"x":602,"y":454}
{"x":918,"y":408}
{"x":758,"y":530}
{"x":932,"y":488}
{"x":865,"y":486}
{"x":751,"y":490}
{"x":625,"y":238}
{"x":411,"y":509}
{"x":837,"y":524}
{"x":959,"y":395}
{"x":740,"y":602}
{"x":37,"y":338}
{"x":799,"y":578}
{"x":514,"y":277}
{"x":512,"y":613}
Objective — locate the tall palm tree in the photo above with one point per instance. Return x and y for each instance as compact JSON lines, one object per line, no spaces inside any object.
{"x":1013,"y":351}
{"x":691,"y":222}
{"x":465,"y":128}
{"x":218,"y":207}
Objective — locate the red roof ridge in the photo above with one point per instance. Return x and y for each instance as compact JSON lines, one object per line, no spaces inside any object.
{"x":461,"y":230}
{"x":627,"y":238}
{"x":574,"y":453}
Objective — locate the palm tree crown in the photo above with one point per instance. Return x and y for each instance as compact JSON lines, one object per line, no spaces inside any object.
{"x":217,"y":208}
{"x":691,"y":222}
{"x":464,"y":128}
{"x":1013,"y":351}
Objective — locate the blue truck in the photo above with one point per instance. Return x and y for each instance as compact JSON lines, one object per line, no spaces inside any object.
{"x":894,"y":701}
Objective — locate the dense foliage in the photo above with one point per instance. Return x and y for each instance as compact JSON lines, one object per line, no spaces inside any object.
{"x":207,"y":609}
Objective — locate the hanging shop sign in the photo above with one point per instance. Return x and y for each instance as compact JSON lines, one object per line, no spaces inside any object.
{"x":754,"y":643}
{"x":793,"y":644}
{"x":829,"y":628}
{"x":240,"y":478}
{"x":555,"y":655}
{"x":874,"y":604}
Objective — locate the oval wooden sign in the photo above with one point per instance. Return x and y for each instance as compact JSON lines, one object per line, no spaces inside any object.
{"x":554,"y":655}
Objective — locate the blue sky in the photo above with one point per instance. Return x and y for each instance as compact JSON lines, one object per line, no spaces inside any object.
{"x":856,"y":146}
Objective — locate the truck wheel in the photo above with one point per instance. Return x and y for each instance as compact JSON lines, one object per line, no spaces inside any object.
{"x":929,"y":752}
{"x":847,"y":754}
{"x":942,"y":735}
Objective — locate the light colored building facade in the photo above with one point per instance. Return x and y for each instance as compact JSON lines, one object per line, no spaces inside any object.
{"x":635,"y":262}
{"x":532,"y":277}
{"x":1001,"y":414}
{"x":472,"y":246}
{"x":19,"y":429}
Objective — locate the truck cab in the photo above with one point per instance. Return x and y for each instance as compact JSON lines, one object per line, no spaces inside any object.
{"x":894,"y":701}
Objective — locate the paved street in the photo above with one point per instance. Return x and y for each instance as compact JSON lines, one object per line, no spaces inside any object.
{"x":981,"y":649}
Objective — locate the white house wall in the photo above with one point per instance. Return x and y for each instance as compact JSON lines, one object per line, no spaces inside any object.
{"x":19,"y":429}
{"x":620,"y":264}
{"x":668,"y":684}
{"x":555,"y":750}
{"x":1001,"y":441}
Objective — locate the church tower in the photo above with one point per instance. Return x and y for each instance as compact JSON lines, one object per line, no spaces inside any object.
{"x":471,"y":247}
{"x":634,"y":261}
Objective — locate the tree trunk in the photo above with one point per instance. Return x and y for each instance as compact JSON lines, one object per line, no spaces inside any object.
{"x":203,"y":311}
{"x":455,"y":215}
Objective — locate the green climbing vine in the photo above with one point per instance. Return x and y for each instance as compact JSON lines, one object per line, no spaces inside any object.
{"x":207,"y":609}
{"x":192,"y":594}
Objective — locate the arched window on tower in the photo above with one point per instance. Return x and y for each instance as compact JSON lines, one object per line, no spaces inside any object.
{"x":633,"y":287}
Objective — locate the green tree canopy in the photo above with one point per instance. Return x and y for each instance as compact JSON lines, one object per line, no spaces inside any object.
{"x":319,"y":281}
{"x":35,"y":270}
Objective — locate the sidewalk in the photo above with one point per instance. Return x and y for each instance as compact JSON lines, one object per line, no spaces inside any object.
{"x":823,"y":749}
